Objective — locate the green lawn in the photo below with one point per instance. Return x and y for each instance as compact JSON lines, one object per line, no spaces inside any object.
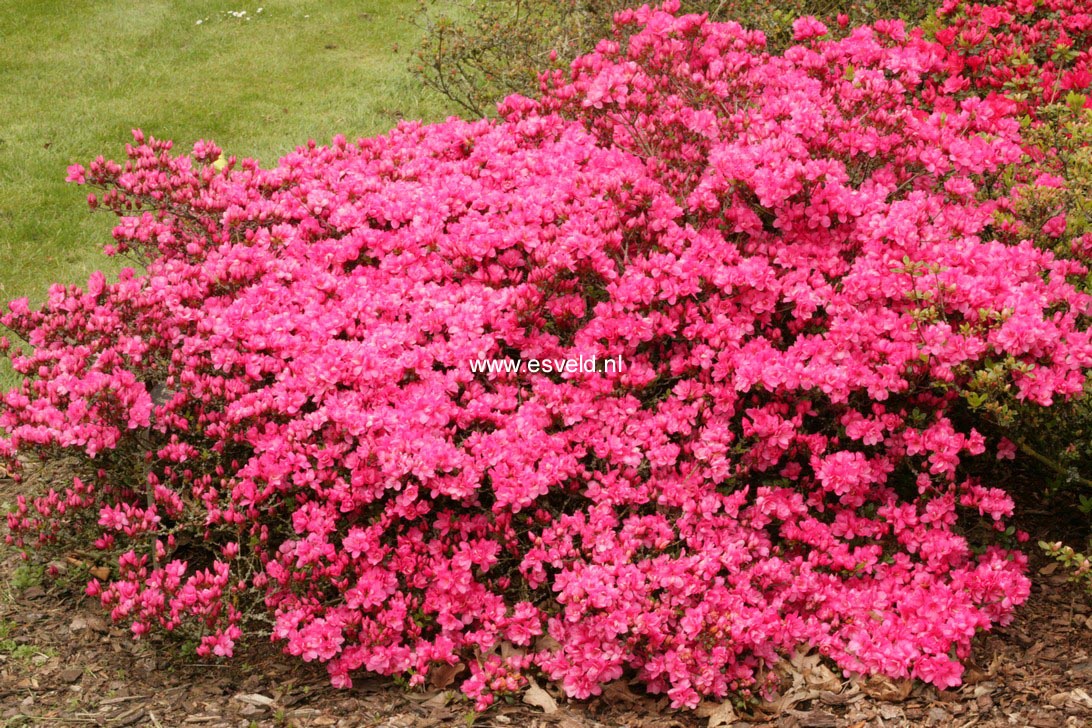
{"x":77,"y":75}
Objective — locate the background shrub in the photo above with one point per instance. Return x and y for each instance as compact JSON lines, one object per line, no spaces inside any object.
{"x":476,"y":52}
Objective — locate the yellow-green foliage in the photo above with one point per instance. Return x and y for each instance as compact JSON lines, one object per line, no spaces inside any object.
{"x":1054,"y":184}
{"x":1078,"y":564}
{"x":1059,"y":139}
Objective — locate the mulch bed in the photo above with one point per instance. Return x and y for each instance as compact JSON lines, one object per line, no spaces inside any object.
{"x":63,"y":664}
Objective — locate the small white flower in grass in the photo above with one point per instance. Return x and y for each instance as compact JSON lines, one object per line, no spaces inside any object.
{"x":200,"y":21}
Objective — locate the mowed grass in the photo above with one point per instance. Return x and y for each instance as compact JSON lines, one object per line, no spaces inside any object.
{"x":77,"y":75}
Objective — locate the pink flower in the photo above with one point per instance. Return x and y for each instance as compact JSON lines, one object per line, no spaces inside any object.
{"x":807,"y":27}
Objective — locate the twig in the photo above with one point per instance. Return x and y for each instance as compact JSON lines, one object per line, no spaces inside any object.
{"x":1056,"y":467}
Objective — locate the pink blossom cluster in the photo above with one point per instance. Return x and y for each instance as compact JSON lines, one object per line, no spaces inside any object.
{"x":795,"y":256}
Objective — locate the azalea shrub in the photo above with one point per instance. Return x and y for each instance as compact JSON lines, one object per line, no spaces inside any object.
{"x":801,"y":260}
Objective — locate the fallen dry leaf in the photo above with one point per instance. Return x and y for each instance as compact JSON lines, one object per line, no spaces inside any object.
{"x":821,"y":677}
{"x":974,"y":675}
{"x":620,"y":691}
{"x":507,"y":649}
{"x":539,"y":698}
{"x":442,"y":676}
{"x":884,"y":688}
{"x":787,"y":700}
{"x":719,"y":714}
{"x":439,"y":700}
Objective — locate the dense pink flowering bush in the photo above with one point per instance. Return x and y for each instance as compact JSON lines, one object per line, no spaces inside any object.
{"x":795,"y":257}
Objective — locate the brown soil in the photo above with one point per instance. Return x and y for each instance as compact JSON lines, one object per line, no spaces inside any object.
{"x":63,"y":664}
